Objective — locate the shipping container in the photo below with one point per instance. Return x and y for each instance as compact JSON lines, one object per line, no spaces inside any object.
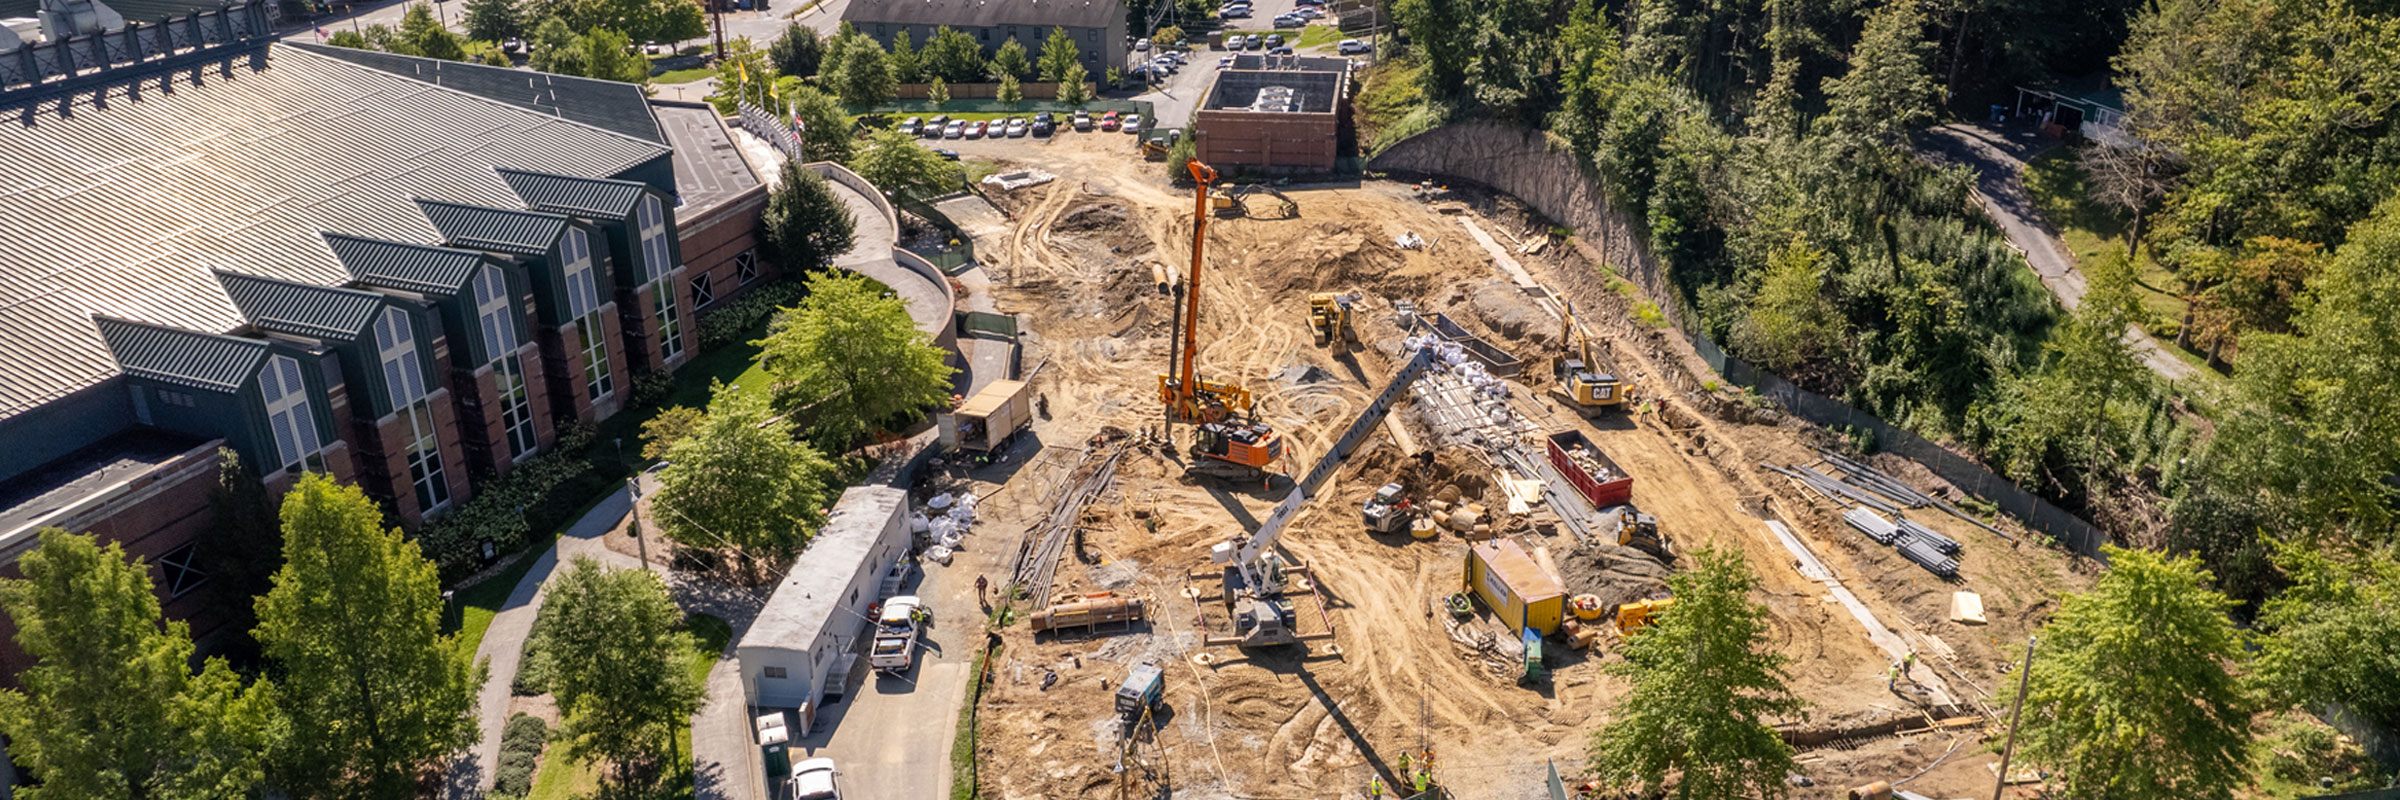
{"x":987,"y":420}
{"x":1495,"y":360}
{"x":1514,"y":586}
{"x":1597,"y":478}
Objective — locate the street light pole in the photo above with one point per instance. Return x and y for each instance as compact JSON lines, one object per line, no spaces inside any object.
{"x":2024,"y":679}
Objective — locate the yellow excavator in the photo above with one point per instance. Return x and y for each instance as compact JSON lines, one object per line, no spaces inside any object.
{"x":1640,"y":531}
{"x":1229,"y":203}
{"x":1329,"y":317}
{"x":1228,"y":442}
{"x":1640,"y":613}
{"x":1586,"y":381}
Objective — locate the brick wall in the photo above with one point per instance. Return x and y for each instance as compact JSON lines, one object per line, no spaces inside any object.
{"x":713,"y":243}
{"x":1267,"y":142}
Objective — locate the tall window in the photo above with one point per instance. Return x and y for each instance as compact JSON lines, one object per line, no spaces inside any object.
{"x":583,"y":302}
{"x":657,"y":258}
{"x":656,"y":254}
{"x":296,"y":442}
{"x":499,"y":322}
{"x":404,"y":384}
{"x":670,"y":321}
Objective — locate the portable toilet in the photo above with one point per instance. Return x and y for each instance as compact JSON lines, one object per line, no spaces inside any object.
{"x":1515,"y":586}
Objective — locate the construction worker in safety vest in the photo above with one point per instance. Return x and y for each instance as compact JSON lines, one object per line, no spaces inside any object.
{"x":1374,"y":787}
{"x":1424,"y":780}
{"x":1403,"y":762}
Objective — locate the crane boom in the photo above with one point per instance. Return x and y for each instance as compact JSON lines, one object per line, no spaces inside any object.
{"x":1202,"y":177}
{"x":1247,"y":555}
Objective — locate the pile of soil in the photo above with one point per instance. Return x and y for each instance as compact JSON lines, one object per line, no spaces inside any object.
{"x":1615,"y":574}
{"x":1504,"y":309}
{"x":1340,"y":257}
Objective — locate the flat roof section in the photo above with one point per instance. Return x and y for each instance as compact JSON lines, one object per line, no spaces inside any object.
{"x":709,"y":169}
{"x":1239,"y":90}
{"x":67,"y":481}
{"x":804,"y":605}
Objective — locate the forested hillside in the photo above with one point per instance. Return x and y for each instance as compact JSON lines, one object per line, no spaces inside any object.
{"x":1768,"y":146}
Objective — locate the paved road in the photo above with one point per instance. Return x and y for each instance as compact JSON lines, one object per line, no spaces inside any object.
{"x":1998,"y":156}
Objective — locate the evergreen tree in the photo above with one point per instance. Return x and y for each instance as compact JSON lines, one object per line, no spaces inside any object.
{"x":1071,"y":86}
{"x":1707,"y":684}
{"x":372,"y":692}
{"x":805,"y":225}
{"x":620,"y":666}
{"x":1011,"y":92}
{"x":797,"y":51}
{"x":1886,"y":92}
{"x":853,"y":359}
{"x":938,"y":93}
{"x":1010,"y":62}
{"x":2131,"y":696}
{"x":906,"y":67}
{"x":1059,"y":53}
{"x":110,"y":708}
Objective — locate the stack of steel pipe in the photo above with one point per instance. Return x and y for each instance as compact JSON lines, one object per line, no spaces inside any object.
{"x":1945,"y":544}
{"x":1873,"y":525}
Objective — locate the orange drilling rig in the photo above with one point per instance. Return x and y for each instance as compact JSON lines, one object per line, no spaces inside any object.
{"x":1228,"y":442}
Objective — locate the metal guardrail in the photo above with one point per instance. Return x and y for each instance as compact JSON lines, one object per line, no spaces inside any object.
{"x":61,"y":70}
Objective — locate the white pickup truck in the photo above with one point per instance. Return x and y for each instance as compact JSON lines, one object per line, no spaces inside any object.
{"x":896,"y":633}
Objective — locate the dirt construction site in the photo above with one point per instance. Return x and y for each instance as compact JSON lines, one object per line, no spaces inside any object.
{"x":1387,"y":674}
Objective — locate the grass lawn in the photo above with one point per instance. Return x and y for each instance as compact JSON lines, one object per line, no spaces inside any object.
{"x":2090,"y":231}
{"x":682,"y":75}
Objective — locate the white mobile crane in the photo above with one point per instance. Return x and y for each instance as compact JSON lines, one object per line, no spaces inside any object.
{"x":1255,"y":576}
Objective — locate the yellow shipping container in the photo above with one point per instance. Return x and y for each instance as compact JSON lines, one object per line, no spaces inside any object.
{"x":1516,"y":588}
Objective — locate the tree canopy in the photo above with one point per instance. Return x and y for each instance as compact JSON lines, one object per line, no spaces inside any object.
{"x":598,"y":53}
{"x":370,"y":689}
{"x":797,"y":51}
{"x":805,"y":225}
{"x":1058,"y":54}
{"x":1707,"y":686}
{"x":110,"y":707}
{"x":620,"y":666}
{"x":850,"y":360}
{"x":742,"y":481}
{"x":953,"y":56}
{"x":2131,"y":694}
{"x":894,"y":162}
{"x":495,"y":20}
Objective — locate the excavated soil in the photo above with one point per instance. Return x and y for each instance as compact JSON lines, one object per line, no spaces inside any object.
{"x":1395,"y":675}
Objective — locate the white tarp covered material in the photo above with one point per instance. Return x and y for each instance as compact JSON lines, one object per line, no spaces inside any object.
{"x":1013,"y":181}
{"x":938,"y":554}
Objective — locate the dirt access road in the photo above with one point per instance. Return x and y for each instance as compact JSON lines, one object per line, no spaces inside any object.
{"x":1077,"y":262}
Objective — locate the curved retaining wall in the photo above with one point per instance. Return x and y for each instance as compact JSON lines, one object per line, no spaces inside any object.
{"x":876,"y":254}
{"x":1528,"y":165}
{"x":842,"y":175}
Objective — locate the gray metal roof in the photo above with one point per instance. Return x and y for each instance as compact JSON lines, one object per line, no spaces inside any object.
{"x":607,"y":105}
{"x":181,"y":357}
{"x":301,"y":309}
{"x":123,"y":211}
{"x":508,"y":230}
{"x":599,"y":198}
{"x":131,"y":10}
{"x":709,"y":169}
{"x":405,"y":266}
{"x":987,"y":13}
{"x":805,"y":604}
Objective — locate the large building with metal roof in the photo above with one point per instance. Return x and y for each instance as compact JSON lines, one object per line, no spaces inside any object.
{"x":403,"y":273}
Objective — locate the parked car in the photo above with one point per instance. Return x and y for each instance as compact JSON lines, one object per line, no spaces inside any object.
{"x":813,"y":780}
{"x":1044,"y":127}
{"x":1274,"y":40}
{"x":1109,"y":121}
{"x":513,"y":46}
{"x":1016,"y":128}
{"x":1289,"y":21}
{"x":948,"y":154}
{"x":933,"y":127}
{"x":1163,"y":64}
{"x":1233,"y":12}
{"x":1308,"y":12}
{"x":1353,"y":47}
{"x":911,"y":125}
{"x":1254,"y":42}
{"x":1225,"y":63}
{"x":1133,"y":123}
{"x":1082,"y":120}
{"x":1179,"y":56}
{"x":656,"y":49}
{"x":955,"y":130}
{"x":975,"y":129}
{"x":1141,"y":45}
{"x":1281,"y":51}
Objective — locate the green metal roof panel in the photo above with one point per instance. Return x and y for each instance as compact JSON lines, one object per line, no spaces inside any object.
{"x":181,"y":357}
{"x":619,"y":108}
{"x":506,"y":230}
{"x":405,"y":266}
{"x":301,"y":309}
{"x":124,"y":210}
{"x":599,"y":198}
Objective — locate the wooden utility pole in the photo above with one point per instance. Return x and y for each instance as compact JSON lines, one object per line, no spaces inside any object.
{"x":2024,"y":679}
{"x":716,"y":14}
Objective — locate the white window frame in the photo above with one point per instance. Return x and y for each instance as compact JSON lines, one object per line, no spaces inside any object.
{"x":745,"y":267}
{"x":292,"y":426}
{"x":704,"y":291}
{"x":180,"y":570}
{"x":657,"y":253}
{"x":670,"y":321}
{"x":583,"y":303}
{"x":404,"y":378}
{"x":498,"y":319}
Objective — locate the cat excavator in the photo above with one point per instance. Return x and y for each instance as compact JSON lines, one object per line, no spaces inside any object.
{"x":1586,"y":382}
{"x":1228,"y":442}
{"x":1329,"y":317}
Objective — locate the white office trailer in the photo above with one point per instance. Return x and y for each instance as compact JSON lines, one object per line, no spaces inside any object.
{"x":806,"y":638}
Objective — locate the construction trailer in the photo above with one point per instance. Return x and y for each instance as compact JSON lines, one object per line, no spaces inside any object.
{"x":801,"y":647}
{"x":1597,"y":478}
{"x":1515,"y":587}
{"x":987,"y":420}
